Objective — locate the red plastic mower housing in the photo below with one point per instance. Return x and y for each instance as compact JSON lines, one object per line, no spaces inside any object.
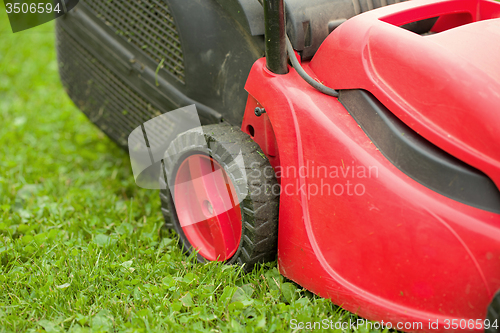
{"x":356,"y":228}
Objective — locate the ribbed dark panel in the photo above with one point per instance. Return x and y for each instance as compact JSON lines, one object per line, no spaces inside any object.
{"x":146,"y":24}
{"x":107,"y":100}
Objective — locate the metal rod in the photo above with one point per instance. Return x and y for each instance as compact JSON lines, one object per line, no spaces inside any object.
{"x":276,"y":56}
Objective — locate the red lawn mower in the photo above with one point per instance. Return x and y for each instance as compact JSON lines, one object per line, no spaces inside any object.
{"x":372,"y":136}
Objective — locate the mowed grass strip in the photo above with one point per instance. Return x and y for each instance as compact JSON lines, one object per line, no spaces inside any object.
{"x":81,"y":246}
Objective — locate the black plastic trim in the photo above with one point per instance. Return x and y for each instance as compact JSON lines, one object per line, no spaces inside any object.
{"x":418,"y":158}
{"x":421,"y":27}
{"x":493,"y":314}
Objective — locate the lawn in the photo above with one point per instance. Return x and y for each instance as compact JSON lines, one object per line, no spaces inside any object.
{"x":81,"y":246}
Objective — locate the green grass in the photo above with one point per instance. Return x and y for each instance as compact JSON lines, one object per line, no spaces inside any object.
{"x":81,"y":246}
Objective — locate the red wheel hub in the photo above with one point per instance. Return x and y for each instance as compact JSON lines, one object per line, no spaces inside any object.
{"x":207,"y":207}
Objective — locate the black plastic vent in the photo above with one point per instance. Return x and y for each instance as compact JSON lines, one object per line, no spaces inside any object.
{"x":106,"y":100}
{"x":146,"y":24}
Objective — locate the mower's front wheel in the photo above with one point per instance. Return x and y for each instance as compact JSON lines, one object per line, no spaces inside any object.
{"x":222,"y":197}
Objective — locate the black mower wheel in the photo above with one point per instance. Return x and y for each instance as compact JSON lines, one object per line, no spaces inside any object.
{"x":245,"y":230}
